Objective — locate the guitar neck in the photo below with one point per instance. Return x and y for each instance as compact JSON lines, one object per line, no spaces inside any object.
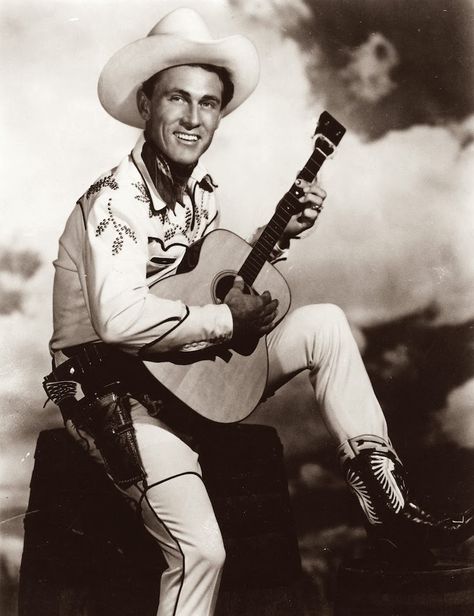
{"x":286,"y":208}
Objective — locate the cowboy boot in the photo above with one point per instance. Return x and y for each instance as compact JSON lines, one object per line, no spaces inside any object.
{"x":397,"y":527}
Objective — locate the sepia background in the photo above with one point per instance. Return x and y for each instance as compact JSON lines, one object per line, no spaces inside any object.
{"x":394,"y":246}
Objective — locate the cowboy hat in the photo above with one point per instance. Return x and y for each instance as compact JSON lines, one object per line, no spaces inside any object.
{"x":181,"y":37}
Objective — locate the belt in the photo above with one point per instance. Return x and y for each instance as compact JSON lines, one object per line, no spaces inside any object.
{"x":84,"y":362}
{"x":96,"y":364}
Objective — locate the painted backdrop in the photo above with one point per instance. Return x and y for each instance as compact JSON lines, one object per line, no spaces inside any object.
{"x":394,"y":246}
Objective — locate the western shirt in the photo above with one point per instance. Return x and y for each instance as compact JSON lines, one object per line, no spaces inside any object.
{"x":119,"y":238}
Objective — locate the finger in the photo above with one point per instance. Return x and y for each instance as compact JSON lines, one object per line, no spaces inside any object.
{"x":311,"y":187}
{"x":272,"y":305}
{"x":310,"y":197}
{"x":265,"y":298}
{"x":239,"y":283}
{"x":309,"y":214}
{"x":267,"y":319}
{"x":268,"y":309}
{"x":307,"y":218}
{"x":265,"y":329}
{"x":317,"y":189}
{"x":303,"y":184}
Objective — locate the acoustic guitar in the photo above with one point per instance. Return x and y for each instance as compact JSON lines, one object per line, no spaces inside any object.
{"x":225,"y":382}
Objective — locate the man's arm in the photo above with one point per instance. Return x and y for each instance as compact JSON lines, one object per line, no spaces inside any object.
{"x":123,"y":311}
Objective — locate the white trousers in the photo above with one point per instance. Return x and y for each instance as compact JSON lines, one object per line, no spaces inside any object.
{"x":174,"y":503}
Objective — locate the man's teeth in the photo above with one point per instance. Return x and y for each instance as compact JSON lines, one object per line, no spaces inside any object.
{"x":187,"y":136}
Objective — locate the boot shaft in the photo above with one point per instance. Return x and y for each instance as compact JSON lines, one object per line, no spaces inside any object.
{"x":376,"y":476}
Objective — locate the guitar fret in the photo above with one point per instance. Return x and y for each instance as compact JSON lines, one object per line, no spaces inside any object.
{"x":269,"y":234}
{"x":253,"y":260}
{"x":249,"y":275}
{"x":290,"y":200}
{"x":258,"y":260}
{"x":249,"y":265}
{"x":313,"y":166}
{"x":259,"y":251}
{"x":270,"y":241}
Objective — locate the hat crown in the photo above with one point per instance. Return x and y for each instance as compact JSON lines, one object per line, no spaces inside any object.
{"x":183,"y":22}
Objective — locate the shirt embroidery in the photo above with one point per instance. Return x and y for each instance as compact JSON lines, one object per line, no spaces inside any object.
{"x":144,"y":197}
{"x":119,"y":229}
{"x":142,"y":192}
{"x":190,"y":227}
{"x":108,"y":180}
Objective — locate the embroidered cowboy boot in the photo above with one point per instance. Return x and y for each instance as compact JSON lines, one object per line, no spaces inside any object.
{"x":396,"y":525}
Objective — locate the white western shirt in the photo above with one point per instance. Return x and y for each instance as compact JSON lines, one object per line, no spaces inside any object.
{"x":119,"y":238}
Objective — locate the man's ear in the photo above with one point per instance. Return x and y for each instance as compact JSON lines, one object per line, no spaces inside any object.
{"x":143,"y":104}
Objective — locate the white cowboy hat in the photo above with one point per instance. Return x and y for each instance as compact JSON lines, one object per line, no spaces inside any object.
{"x":181,"y":37}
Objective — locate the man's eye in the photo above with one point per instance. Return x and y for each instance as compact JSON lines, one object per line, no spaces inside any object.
{"x":176,"y":98}
{"x":209,"y":104}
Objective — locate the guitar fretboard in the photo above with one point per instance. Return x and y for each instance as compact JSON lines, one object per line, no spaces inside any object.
{"x":286,"y":208}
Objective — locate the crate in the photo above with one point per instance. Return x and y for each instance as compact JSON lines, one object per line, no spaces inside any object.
{"x":80,"y":561}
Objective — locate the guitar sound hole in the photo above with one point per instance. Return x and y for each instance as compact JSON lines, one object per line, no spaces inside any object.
{"x":224,"y":284}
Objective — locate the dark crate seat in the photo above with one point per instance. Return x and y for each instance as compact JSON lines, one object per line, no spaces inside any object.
{"x":80,"y":560}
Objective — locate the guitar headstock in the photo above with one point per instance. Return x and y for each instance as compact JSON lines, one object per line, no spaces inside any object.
{"x":328,"y":133}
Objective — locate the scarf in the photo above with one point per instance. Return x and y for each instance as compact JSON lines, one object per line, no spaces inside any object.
{"x":169,"y":178}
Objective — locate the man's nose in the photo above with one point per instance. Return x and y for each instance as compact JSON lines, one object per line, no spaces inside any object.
{"x":191,"y":118}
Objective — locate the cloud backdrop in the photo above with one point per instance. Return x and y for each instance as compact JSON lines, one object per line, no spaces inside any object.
{"x":396,"y":235}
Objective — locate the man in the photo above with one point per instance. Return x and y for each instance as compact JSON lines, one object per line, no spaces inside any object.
{"x":131,"y":227}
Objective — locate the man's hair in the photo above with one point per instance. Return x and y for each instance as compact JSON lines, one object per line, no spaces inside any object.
{"x":148,"y":86}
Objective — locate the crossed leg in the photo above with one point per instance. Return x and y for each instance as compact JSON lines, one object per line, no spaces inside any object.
{"x":318,"y":338}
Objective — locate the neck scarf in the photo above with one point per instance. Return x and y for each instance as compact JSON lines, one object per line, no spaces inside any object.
{"x":170,"y":178}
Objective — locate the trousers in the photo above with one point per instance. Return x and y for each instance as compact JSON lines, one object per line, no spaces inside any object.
{"x":173,"y":501}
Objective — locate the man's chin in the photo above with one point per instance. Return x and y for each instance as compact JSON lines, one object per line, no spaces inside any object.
{"x":189,"y":157}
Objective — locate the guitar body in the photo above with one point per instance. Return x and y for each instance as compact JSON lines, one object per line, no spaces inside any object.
{"x":224,"y":382}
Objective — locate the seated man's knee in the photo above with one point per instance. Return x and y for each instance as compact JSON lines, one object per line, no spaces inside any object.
{"x":322,"y":315}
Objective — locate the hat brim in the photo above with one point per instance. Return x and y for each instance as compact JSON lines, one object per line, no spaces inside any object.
{"x":131,"y":66}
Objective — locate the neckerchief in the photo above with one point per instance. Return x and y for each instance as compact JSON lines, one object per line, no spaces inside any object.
{"x":170,"y":179}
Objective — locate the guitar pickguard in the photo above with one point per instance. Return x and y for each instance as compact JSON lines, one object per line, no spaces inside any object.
{"x":190,"y":258}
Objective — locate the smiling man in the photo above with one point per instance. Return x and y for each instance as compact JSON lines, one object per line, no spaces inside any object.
{"x":181,"y":122}
{"x":132,"y":228}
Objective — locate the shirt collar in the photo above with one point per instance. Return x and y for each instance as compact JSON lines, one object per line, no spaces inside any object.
{"x":199,"y":175}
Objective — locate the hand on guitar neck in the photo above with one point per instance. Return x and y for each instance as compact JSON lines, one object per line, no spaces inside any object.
{"x":253,"y":315}
{"x":312,"y":203}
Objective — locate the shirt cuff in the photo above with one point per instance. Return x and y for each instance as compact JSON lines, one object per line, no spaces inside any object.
{"x":279,"y":252}
{"x":220,"y":329}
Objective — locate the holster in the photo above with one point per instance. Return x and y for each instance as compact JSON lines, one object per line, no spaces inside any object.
{"x":104,"y":412}
{"x":114,"y":435}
